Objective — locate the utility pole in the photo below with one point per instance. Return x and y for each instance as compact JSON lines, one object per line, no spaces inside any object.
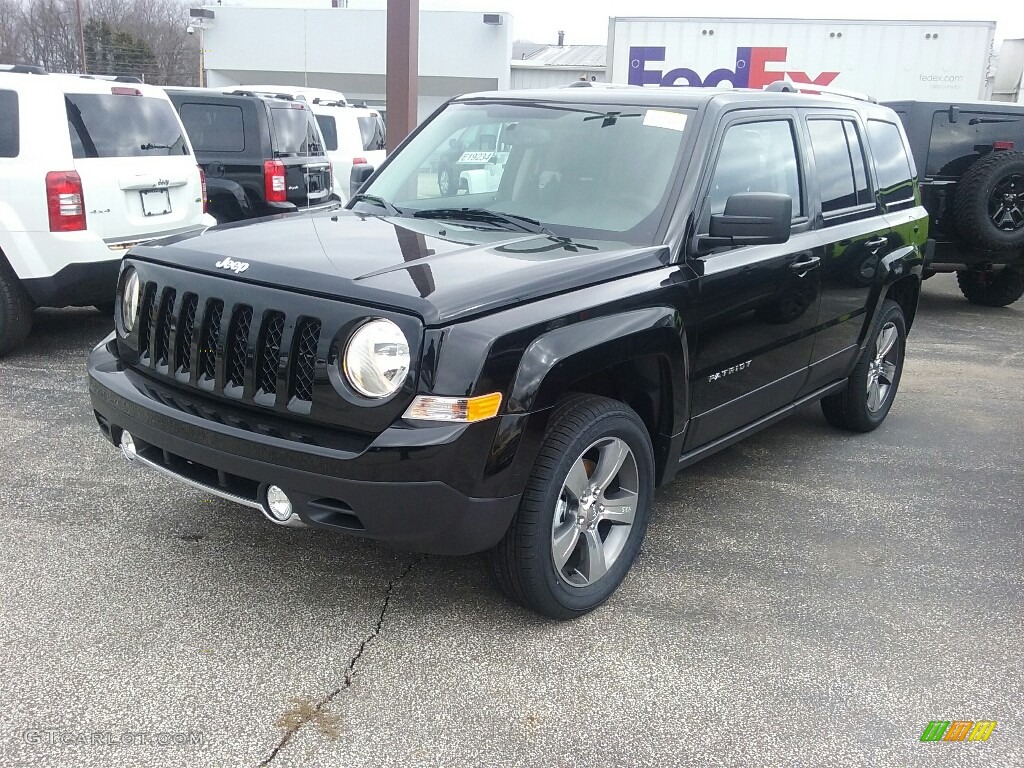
{"x":403,"y":69}
{"x":81,"y":38}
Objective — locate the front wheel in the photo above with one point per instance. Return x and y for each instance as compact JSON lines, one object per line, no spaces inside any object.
{"x":584,"y":513}
{"x":871,"y":388}
{"x":991,"y":288}
{"x":444,"y":181}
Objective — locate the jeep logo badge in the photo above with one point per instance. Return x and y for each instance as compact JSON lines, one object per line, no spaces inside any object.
{"x":235,"y":266}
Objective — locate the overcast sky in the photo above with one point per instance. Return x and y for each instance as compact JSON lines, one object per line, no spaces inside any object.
{"x":587,"y":22}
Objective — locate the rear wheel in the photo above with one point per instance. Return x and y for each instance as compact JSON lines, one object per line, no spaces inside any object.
{"x":872,"y":386}
{"x":584,"y":513}
{"x":991,"y":288}
{"x":15,"y":310}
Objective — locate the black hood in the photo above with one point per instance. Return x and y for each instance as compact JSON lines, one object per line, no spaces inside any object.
{"x":437,"y":271}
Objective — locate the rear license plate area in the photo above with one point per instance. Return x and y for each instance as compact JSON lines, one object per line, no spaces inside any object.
{"x":155,"y":202}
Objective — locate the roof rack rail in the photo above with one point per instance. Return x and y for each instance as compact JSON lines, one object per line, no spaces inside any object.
{"x":23,"y":69}
{"x":592,"y":84}
{"x":109,"y":78}
{"x":788,"y":86}
{"x":330,"y":102}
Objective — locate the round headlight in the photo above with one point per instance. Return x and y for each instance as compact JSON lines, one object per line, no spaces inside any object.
{"x":377,"y":359}
{"x":130,"y":300}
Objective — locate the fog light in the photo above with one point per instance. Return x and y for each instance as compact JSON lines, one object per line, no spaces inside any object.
{"x":128,"y":446}
{"x":278,"y":504}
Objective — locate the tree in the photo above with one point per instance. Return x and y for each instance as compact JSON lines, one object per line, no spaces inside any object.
{"x":111,"y":51}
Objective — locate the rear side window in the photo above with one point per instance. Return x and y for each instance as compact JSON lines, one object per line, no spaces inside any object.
{"x":756,"y":157}
{"x":295,"y":132}
{"x":329,"y":129}
{"x":114,"y":125}
{"x":214,"y":127}
{"x":895,"y":179}
{"x":372,"y":131}
{"x":955,"y":146}
{"x":9,"y":136}
{"x":839,"y":162}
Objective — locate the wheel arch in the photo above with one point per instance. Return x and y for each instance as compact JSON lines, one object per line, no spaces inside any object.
{"x":637,"y":357}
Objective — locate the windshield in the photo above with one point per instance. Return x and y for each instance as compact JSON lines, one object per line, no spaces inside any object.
{"x":115,"y":125}
{"x":597,"y":171}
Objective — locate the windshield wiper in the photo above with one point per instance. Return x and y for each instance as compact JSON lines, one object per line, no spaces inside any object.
{"x":485,"y":216}
{"x":363,"y":197}
{"x":151,"y":145}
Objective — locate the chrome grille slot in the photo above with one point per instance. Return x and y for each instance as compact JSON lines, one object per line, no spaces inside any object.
{"x":164,"y":323}
{"x":237,"y":350}
{"x":208,"y":341}
{"x":307,"y":337}
{"x":186,"y":332}
{"x":268,"y":356}
{"x":146,"y":317}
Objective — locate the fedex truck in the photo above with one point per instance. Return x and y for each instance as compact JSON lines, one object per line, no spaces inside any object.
{"x":936,"y":61}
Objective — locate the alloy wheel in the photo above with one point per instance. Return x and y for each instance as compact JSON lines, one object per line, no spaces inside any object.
{"x":595,"y":512}
{"x":882,"y":369}
{"x":1006,"y":205}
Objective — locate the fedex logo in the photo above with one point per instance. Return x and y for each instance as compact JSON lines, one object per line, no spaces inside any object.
{"x":751,"y":70}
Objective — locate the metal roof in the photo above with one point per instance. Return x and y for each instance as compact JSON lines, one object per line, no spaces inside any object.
{"x":568,"y":56}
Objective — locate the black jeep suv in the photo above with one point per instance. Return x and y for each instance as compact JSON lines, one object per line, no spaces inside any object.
{"x":262,"y":154}
{"x":972,"y":158}
{"x":658,"y":274}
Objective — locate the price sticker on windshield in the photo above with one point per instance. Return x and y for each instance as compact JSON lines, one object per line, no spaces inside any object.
{"x":476,"y":157}
{"x":659,"y":118}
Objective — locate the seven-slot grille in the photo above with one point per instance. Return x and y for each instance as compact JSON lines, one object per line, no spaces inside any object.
{"x":190,"y":338}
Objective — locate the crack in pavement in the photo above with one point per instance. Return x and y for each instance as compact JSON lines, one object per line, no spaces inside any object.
{"x":306,"y":713}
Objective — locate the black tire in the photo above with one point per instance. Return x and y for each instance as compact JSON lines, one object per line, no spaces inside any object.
{"x":851,"y":408}
{"x":992,"y":188}
{"x":522,"y":564}
{"x":15,"y":310}
{"x":991,"y":288}
{"x":445,"y":177}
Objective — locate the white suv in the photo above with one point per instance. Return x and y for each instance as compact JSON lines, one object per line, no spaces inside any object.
{"x":353,"y":136}
{"x":88,"y":168}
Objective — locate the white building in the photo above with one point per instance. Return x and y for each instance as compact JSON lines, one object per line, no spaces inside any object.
{"x":555,"y":65}
{"x":345,"y":49}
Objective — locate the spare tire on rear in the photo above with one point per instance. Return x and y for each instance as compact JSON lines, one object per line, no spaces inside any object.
{"x":989,"y":204}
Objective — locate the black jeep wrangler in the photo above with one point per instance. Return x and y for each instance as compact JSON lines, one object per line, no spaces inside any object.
{"x":658,"y":274}
{"x":972,"y":156}
{"x":262,"y":154}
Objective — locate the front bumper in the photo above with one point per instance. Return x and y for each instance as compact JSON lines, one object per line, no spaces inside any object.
{"x":327,"y":485}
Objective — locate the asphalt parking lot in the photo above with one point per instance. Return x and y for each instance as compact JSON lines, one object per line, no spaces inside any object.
{"x":805,"y":598}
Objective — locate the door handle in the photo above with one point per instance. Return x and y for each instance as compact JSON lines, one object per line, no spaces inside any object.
{"x":805,"y":266}
{"x":876,"y":243}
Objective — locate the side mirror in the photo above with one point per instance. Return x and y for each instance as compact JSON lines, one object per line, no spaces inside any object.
{"x":358,"y":176}
{"x":752,"y":218}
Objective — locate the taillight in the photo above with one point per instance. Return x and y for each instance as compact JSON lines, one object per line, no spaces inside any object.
{"x":1002,"y":145}
{"x":202,"y":187}
{"x":273,"y":181}
{"x":359,"y":161}
{"x":65,"y":201}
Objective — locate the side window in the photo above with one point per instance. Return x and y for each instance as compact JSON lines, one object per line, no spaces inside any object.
{"x":329,"y":129}
{"x":214,"y":127}
{"x":860,"y":174}
{"x":895,"y":178}
{"x":839,"y":161}
{"x":9,"y":136}
{"x":755,"y":157}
